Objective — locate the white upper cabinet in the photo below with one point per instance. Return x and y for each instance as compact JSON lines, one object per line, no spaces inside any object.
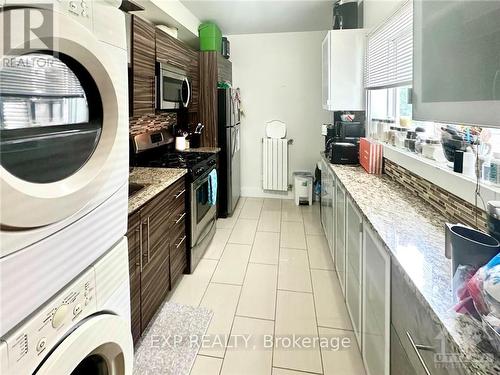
{"x":343,"y":54}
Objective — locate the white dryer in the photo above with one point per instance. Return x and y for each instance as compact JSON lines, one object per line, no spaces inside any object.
{"x":85,"y":329}
{"x":63,"y":145}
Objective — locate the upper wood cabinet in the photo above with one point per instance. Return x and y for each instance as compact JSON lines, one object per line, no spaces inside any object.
{"x":224,"y":69}
{"x":174,"y":52}
{"x":213,"y":68}
{"x":142,"y":77}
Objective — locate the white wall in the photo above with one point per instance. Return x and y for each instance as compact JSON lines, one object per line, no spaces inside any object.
{"x":377,"y":11}
{"x":279,"y":76}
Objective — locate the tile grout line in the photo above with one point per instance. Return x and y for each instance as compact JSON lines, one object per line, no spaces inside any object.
{"x":241,"y":288}
{"x":314,"y":299}
{"x":299,"y":371}
{"x":277,"y":281}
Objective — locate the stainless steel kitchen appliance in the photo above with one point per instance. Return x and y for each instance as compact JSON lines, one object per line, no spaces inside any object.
{"x":156,"y":150}
{"x":229,"y":142}
{"x":173,"y":88}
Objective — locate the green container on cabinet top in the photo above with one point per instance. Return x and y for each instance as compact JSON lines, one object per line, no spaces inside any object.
{"x":210,"y":37}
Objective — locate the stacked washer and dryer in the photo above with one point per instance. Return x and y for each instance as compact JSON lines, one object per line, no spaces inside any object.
{"x":64,"y":289}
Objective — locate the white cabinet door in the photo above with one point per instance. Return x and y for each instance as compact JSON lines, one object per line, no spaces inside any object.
{"x":354,"y":266}
{"x":333,"y":183}
{"x":340,"y":234}
{"x":376,"y":305}
{"x":325,"y":69}
{"x":343,"y":53}
{"x":324,"y":196}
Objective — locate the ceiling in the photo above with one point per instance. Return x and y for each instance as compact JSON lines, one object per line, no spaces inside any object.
{"x":264,"y":16}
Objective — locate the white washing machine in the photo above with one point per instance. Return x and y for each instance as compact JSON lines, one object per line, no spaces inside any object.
{"x":63,"y":145}
{"x":85,"y":329}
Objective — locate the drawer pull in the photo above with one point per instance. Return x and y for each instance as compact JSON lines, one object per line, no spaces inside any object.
{"x":180,"y":218}
{"x":416,"y":348}
{"x":180,"y":242}
{"x":179,"y":194}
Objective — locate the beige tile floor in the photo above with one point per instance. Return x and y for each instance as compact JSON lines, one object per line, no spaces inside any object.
{"x":268,"y":278}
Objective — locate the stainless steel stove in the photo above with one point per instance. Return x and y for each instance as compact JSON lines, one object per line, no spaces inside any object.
{"x":155,"y":150}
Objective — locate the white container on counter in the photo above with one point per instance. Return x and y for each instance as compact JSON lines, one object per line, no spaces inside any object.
{"x":180,"y":143}
{"x":495,"y":169}
{"x":431,"y":148}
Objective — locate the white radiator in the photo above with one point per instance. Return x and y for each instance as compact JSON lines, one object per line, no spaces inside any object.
{"x":275,"y":164}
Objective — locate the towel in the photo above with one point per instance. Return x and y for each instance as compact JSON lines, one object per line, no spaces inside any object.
{"x":212,"y":188}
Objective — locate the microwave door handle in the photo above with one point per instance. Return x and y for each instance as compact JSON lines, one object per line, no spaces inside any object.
{"x":186,"y":103}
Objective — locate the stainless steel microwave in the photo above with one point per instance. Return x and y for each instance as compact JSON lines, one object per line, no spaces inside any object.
{"x":173,"y":89}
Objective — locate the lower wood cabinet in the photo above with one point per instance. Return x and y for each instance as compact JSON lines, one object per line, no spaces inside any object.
{"x":156,"y":260}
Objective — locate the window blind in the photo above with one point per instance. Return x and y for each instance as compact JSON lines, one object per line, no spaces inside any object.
{"x":389,"y":51}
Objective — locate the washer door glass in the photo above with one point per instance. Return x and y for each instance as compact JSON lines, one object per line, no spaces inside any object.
{"x":50,"y":117}
{"x":93,"y":364}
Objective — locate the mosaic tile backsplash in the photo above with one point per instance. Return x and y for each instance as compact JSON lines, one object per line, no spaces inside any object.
{"x":453,"y":208}
{"x":151,"y":122}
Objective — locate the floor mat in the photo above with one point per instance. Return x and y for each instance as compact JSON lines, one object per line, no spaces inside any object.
{"x":171,"y":342}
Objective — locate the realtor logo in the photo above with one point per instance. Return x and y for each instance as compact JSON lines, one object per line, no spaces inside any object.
{"x":24,"y":29}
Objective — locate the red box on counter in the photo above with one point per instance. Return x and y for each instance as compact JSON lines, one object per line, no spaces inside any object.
{"x":371,"y":155}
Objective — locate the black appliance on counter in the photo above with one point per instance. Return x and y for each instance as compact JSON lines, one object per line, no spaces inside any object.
{"x":156,"y":150}
{"x":342,"y":141}
{"x":228,"y":138}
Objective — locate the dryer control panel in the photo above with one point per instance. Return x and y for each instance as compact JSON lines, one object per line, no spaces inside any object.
{"x":28,"y":344}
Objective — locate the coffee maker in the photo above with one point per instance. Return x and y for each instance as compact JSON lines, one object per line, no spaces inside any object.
{"x":342,"y":138}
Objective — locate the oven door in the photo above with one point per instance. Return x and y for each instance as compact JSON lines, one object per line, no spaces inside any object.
{"x":174,"y":89}
{"x":203,"y":215}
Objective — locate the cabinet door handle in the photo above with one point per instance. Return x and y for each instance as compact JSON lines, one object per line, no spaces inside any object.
{"x":149,"y":247}
{"x":140,"y":247}
{"x":180,"y":218}
{"x":180,"y":242}
{"x":179,"y":193}
{"x":416,"y":348}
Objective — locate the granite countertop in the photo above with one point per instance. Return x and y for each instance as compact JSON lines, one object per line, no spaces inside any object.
{"x":414,"y":236}
{"x":155,"y":180}
{"x":211,"y":150}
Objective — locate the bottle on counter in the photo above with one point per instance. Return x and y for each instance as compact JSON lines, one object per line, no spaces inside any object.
{"x":495,"y":169}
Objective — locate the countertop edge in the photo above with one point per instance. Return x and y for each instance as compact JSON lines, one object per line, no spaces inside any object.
{"x":164,"y":178}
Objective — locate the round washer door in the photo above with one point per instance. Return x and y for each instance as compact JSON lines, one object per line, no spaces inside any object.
{"x":102,"y":345}
{"x":60,"y":111}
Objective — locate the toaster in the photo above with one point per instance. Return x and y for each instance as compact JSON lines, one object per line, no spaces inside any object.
{"x":344,"y":153}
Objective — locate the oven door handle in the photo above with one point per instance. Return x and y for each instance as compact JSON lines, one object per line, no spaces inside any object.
{"x":201,"y":180}
{"x":185,"y":103}
{"x":210,"y":227}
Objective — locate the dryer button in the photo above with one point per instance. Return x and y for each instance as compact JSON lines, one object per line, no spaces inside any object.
{"x":41,"y":344}
{"x":77,"y":310}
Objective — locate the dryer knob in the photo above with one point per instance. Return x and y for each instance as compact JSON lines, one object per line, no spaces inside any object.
{"x":59,"y":316}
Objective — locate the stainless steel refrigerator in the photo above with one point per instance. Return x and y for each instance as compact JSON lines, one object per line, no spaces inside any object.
{"x":229,"y":185}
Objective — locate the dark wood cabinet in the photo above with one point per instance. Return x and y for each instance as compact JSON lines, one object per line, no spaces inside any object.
{"x":135,"y":251}
{"x":157,"y":256}
{"x":178,"y":54}
{"x":142,"y":71}
{"x":213,"y":69}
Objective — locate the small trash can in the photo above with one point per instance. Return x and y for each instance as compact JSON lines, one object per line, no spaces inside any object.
{"x":303,"y":186}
